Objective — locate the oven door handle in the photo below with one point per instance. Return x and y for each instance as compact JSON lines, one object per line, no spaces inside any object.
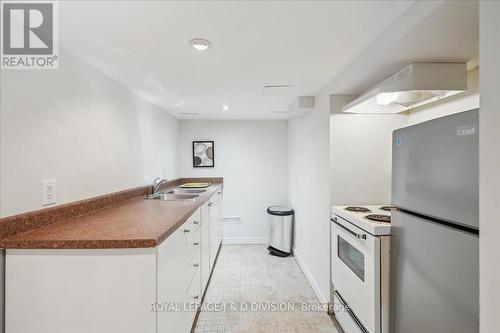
{"x":362,"y":236}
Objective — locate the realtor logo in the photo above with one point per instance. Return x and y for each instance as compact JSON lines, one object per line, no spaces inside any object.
{"x":29,"y":35}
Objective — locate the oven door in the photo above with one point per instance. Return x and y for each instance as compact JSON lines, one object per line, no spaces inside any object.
{"x":356,"y":272}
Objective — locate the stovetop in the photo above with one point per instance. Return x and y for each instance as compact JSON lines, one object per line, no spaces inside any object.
{"x":374,"y":219}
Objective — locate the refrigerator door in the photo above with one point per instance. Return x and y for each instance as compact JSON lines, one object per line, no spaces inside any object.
{"x":435,"y":286}
{"x":435,"y":168}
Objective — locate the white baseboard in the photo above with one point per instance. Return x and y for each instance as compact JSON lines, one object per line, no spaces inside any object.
{"x":244,"y":240}
{"x":309,"y":277}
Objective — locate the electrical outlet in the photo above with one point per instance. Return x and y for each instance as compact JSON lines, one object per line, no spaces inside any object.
{"x":48,"y":192}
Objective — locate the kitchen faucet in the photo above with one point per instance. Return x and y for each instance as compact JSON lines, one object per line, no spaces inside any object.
{"x":157,"y":182}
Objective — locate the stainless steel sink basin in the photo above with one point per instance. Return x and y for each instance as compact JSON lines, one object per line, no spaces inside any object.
{"x":172,"y":197}
{"x":185,"y":191}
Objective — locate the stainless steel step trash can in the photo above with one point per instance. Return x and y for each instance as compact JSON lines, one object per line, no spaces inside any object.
{"x":280,"y":230}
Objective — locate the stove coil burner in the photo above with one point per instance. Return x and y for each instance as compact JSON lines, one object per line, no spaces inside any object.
{"x":379,"y":218}
{"x":358,"y":209}
{"x":388,"y":208}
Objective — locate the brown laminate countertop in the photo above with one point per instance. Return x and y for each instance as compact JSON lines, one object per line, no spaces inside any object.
{"x":136,"y":223}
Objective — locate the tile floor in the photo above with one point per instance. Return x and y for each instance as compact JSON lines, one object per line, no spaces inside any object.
{"x":246,"y":275}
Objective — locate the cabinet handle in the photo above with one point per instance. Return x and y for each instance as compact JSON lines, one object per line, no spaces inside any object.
{"x":196,"y":243}
{"x":219,"y":192}
{"x":196,"y":222}
{"x":187,"y":230}
{"x":196,"y":297}
{"x":196,"y":265}
{"x":210,"y":204}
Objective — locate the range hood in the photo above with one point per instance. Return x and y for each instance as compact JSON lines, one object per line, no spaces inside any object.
{"x":415,"y":85}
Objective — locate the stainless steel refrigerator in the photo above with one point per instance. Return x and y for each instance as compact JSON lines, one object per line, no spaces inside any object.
{"x":435,"y":232}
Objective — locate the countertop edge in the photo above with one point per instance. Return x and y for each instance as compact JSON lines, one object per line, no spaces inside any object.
{"x":8,"y":243}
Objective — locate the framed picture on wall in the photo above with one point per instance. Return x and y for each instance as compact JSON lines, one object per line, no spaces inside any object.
{"x":203,"y":154}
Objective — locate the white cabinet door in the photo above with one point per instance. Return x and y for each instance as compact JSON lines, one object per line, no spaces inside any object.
{"x":193,"y":296}
{"x":219,"y":218}
{"x":214,"y":228}
{"x":179,"y":276}
{"x":80,"y":291}
{"x":173,"y":282}
{"x":205,"y":245}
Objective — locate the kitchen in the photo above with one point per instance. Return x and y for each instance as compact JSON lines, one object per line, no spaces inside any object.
{"x":237,"y":117}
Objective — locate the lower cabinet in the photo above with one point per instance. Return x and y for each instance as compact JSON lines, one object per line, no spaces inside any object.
{"x":182,"y":279}
{"x":114,"y":290}
{"x":178,"y":276}
{"x":215,"y":211}
{"x":205,"y":245}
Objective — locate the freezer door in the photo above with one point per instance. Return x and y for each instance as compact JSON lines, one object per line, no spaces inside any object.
{"x":434,"y":277}
{"x":435,"y":168}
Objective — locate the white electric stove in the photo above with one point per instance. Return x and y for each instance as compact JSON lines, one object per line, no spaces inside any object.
{"x":373,"y":219}
{"x":360,"y":267}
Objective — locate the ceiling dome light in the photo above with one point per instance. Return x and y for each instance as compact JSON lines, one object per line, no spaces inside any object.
{"x":200,"y":44}
{"x":225,"y":107}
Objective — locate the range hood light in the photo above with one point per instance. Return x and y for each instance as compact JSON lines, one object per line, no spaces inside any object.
{"x":386,"y":98}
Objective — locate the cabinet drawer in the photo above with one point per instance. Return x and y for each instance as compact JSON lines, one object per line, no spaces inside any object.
{"x":193,"y":269}
{"x":193,"y":293}
{"x":193,"y":273}
{"x":194,"y":221}
{"x":195,"y":233}
{"x":193,"y":299}
{"x":193,"y":243}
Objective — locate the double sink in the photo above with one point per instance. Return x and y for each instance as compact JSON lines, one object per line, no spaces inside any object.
{"x":176,"y":194}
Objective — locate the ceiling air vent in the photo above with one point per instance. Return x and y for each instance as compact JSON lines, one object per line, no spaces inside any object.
{"x":277,"y":88}
{"x":277,"y":97}
{"x":189,"y":113}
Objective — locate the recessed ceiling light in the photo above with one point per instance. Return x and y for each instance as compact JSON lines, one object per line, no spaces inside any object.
{"x":225,"y":107}
{"x":200,"y":44}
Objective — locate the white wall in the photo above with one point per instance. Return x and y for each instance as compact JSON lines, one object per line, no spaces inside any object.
{"x":489,"y":166}
{"x":79,"y":127}
{"x":361,"y":147}
{"x":360,"y":160}
{"x":251,"y":155}
{"x":461,"y":102}
{"x":309,"y":193}
{"x":361,"y":155}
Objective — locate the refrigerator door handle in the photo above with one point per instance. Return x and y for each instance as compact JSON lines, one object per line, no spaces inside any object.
{"x":362,"y":236}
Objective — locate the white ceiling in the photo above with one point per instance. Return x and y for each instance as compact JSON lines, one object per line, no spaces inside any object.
{"x":144,"y":45}
{"x":341,"y":46}
{"x":429,"y":31}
